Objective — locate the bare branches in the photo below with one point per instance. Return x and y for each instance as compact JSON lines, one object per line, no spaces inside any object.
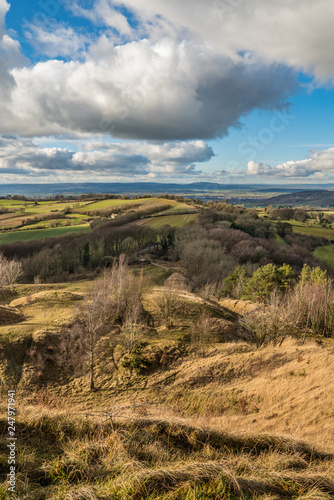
{"x":201,"y":333}
{"x":113,"y":306}
{"x":10,"y":271}
{"x":271,"y":323}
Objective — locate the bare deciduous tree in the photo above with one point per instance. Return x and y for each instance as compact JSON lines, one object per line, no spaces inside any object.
{"x":113,"y":305}
{"x":132,"y":327}
{"x":167,"y":303}
{"x":10,"y":271}
{"x":201,"y":333}
{"x":96,"y":318}
{"x":271,"y":323}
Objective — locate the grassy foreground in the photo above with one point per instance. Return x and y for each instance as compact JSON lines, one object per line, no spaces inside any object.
{"x":68,"y":457}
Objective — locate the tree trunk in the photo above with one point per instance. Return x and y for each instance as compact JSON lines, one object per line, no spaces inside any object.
{"x":92,"y":385}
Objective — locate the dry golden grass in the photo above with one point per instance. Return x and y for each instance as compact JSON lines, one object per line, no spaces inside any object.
{"x":64,"y":456}
{"x":283,"y":390}
{"x":46,"y":295}
{"x":239,"y":306}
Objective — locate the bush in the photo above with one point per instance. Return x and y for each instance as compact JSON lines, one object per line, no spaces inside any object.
{"x":201,"y":334}
{"x":234,"y":285}
{"x":312,"y":301}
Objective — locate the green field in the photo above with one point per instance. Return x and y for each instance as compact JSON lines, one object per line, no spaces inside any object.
{"x":71,"y":220}
{"x":170,"y":220}
{"x":42,"y":206}
{"x":12,"y":203}
{"x":175,"y":206}
{"x":115,"y":203}
{"x":37,"y":234}
{"x":325,"y":254}
{"x":320,"y":232}
{"x":310,"y":230}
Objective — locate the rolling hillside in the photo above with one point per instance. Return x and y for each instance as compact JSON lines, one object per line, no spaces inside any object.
{"x":313,"y":198}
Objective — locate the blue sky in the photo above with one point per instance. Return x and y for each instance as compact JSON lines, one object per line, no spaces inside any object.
{"x":223,"y":91}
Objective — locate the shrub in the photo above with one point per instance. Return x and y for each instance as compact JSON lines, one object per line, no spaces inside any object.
{"x":201,"y":333}
{"x":234,"y":285}
{"x":313,"y":306}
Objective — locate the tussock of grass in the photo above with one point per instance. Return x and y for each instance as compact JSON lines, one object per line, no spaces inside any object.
{"x":82,"y":493}
{"x":164,"y":479}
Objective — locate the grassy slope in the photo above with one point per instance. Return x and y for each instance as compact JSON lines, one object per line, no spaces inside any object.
{"x":314,"y":231}
{"x":197,"y":428}
{"x":114,"y":203}
{"x":235,"y":387}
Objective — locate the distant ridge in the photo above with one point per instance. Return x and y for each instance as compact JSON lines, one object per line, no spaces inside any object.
{"x":314,"y":198}
{"x":128,"y":188}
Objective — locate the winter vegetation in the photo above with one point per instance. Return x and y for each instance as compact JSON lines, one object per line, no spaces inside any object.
{"x":168,"y":361}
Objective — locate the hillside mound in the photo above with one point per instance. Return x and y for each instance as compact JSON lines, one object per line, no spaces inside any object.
{"x":46,"y":295}
{"x":314,"y":198}
{"x":10,"y":316}
{"x":272,"y":389}
{"x":239,"y":307}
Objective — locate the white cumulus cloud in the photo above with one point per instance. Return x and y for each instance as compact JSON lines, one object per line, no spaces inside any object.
{"x":320,"y":164}
{"x":56,"y":40}
{"x":297,"y":33}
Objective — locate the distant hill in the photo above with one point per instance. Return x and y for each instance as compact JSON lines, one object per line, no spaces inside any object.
{"x":315,"y":198}
{"x":237,"y":193}
{"x":140,"y":188}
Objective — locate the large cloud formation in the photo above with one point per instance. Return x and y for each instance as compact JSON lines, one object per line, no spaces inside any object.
{"x":161,"y":91}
